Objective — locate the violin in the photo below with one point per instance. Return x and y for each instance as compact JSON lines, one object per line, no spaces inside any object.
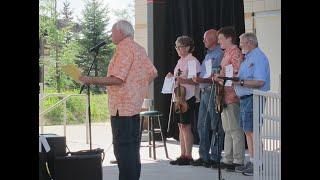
{"x":219,"y":94}
{"x":180,"y":104}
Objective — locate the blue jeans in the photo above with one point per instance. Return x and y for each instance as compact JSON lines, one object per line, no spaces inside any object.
{"x":126,"y":145}
{"x":246,"y":114}
{"x":209,"y":119}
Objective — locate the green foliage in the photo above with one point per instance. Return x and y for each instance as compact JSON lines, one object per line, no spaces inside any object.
{"x":68,"y":43}
{"x":76,"y":109}
{"x":95,"y":20}
{"x":62,"y":41}
{"x":99,"y":107}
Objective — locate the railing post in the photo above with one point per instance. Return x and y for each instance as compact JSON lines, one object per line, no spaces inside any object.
{"x":41,"y":107}
{"x":280,"y":83}
{"x":279,"y":132}
{"x":267,"y":135}
{"x":256,"y":133}
{"x":41,"y":129}
{"x":60,"y":102}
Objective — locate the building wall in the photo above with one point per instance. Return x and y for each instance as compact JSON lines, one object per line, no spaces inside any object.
{"x":141,"y":31}
{"x":251,"y":6}
{"x":264,"y":18}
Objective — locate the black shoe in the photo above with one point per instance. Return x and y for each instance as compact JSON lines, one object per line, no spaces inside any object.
{"x":176,"y":162}
{"x":185,"y":161}
{"x":231,"y":167}
{"x":208,"y":164}
{"x":215,"y":165}
{"x":198,"y":162}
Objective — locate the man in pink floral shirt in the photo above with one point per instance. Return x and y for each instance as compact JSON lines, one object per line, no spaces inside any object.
{"x":130,"y":71}
{"x":234,"y":147}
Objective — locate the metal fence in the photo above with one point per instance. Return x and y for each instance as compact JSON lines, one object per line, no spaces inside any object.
{"x":63,"y":102}
{"x":267,"y":135}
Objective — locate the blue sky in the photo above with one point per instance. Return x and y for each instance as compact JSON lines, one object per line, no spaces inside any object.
{"x":78,"y":5}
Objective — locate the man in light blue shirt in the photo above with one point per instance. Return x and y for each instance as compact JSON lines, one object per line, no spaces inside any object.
{"x":254,"y":73}
{"x":208,"y":119}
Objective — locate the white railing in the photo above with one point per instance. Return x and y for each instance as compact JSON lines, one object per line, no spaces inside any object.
{"x":63,"y":101}
{"x":267,"y":135}
{"x":40,"y":89}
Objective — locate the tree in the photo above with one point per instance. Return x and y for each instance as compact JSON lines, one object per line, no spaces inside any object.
{"x":60,"y":37}
{"x":67,"y":20}
{"x":95,"y":20}
{"x":66,"y":11}
{"x":54,"y":37}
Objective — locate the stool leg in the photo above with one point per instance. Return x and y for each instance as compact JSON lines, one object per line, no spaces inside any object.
{"x":163,"y":139}
{"x":141,"y":128}
{"x":153,"y":140}
{"x":149,"y":136}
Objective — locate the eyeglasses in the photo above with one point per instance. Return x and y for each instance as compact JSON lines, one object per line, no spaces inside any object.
{"x":179,"y":47}
{"x":243,"y":42}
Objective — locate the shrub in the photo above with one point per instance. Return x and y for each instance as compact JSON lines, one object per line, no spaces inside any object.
{"x":76,"y":109}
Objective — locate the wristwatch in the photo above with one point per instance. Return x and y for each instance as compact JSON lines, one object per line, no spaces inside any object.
{"x":241,"y":82}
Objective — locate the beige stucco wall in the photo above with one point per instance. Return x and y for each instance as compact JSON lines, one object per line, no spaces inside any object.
{"x":251,"y":6}
{"x":141,"y":31}
{"x":266,"y":23}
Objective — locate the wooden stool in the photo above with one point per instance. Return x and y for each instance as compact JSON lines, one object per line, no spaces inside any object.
{"x":151,"y":117}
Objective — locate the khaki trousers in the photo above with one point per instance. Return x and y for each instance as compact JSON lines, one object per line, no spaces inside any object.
{"x":234,"y":142}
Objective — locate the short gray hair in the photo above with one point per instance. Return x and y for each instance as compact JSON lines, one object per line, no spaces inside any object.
{"x":125,"y":27}
{"x":251,"y":38}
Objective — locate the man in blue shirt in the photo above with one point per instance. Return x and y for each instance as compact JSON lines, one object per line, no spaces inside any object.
{"x":254,"y":73}
{"x":208,"y":119}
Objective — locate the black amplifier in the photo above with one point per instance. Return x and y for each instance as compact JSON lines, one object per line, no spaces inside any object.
{"x":57,"y":146}
{"x":78,"y":167}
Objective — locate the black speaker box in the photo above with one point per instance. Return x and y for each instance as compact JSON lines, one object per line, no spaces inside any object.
{"x":78,"y":167}
{"x":57,"y":145}
{"x":57,"y":148}
{"x":43,"y":173}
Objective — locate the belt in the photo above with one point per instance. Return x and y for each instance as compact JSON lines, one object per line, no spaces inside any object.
{"x":245,"y":96}
{"x":206,"y":88}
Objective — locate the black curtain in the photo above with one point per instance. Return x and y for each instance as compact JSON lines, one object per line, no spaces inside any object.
{"x":191,"y":18}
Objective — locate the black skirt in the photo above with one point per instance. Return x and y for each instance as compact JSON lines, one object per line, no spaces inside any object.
{"x":191,"y":116}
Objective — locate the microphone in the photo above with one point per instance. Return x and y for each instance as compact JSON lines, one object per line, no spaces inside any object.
{"x":98,"y":46}
{"x":229,"y":78}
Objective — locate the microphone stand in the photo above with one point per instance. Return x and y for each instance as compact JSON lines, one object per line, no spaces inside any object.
{"x":96,"y":51}
{"x":219,"y":111}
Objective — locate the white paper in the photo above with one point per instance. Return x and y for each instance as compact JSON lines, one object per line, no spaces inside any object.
{"x":167,"y":87}
{"x":229,"y":73}
{"x":208,"y":65}
{"x":192,"y":70}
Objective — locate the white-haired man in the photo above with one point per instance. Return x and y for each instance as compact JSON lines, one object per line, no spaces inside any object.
{"x":130,"y":71}
{"x":254,"y":73}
